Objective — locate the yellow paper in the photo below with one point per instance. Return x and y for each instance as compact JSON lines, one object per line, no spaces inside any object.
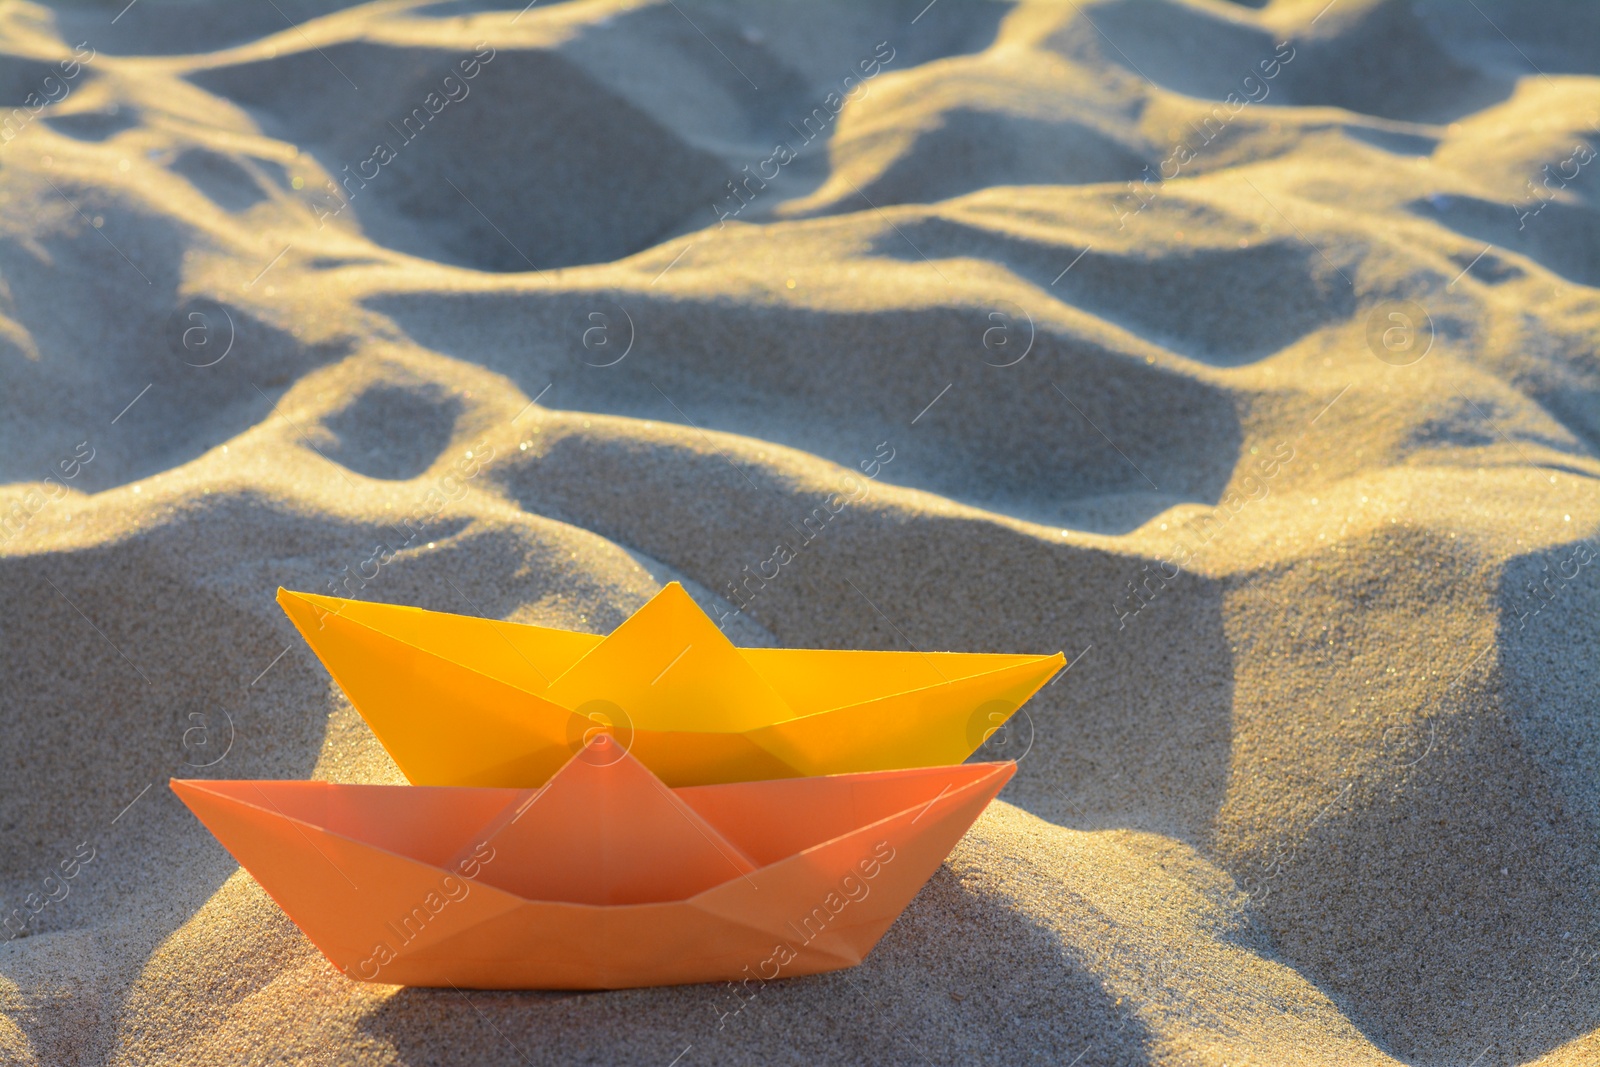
{"x":464,"y":701}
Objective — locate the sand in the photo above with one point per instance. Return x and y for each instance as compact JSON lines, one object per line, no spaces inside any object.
{"x":1245,"y":353}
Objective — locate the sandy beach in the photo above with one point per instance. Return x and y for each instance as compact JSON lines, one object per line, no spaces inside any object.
{"x":1243,"y":352}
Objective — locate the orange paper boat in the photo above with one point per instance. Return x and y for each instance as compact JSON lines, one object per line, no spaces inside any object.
{"x":605,"y":878}
{"x":465,"y":701}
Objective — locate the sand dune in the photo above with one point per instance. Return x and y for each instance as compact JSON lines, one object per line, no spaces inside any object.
{"x":1244,"y":352}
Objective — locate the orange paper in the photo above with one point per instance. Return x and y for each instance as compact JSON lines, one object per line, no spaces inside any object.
{"x":466,"y":701}
{"x":605,"y":878}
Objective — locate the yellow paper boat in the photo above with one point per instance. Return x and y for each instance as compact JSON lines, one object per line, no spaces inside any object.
{"x":464,"y":701}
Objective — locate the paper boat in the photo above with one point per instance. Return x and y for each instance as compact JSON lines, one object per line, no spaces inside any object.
{"x":605,"y":878}
{"x":463,"y":701}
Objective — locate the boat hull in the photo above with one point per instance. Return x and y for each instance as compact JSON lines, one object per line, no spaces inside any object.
{"x":392,"y":888}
